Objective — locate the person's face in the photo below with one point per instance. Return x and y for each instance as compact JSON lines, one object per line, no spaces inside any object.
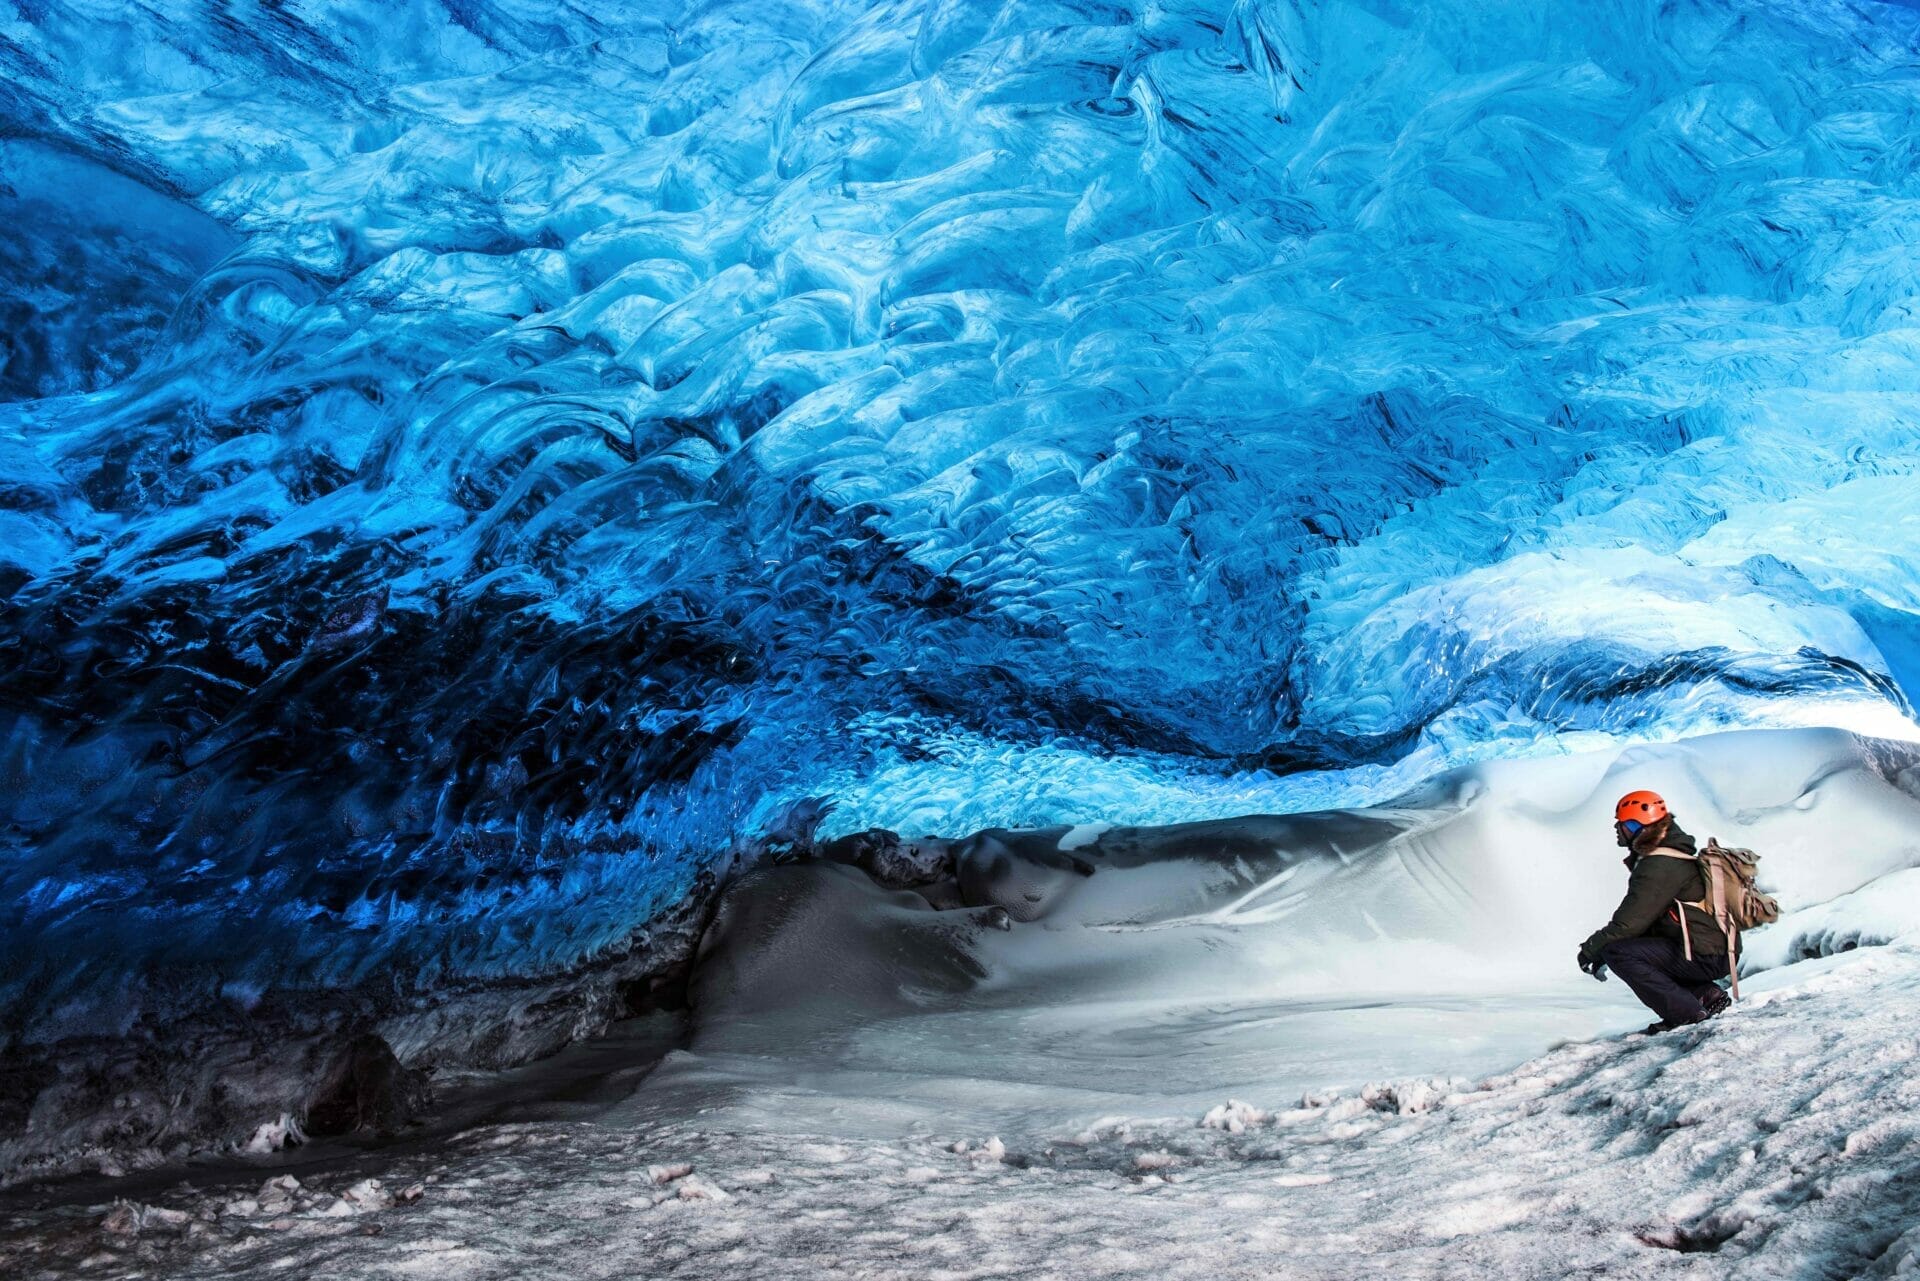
{"x":1625,"y":830}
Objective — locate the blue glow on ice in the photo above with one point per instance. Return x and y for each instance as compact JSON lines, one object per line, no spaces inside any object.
{"x":461,"y":464}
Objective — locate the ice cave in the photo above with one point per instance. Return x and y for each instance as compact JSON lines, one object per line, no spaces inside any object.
{"x":958,"y":638}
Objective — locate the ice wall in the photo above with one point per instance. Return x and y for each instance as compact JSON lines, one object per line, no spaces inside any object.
{"x":463,"y":464}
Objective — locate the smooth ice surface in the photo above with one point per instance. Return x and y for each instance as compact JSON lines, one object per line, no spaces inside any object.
{"x":1224,"y":1053}
{"x":462,"y":465}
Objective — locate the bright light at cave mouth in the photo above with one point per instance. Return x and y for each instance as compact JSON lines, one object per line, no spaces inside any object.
{"x":463,"y":467}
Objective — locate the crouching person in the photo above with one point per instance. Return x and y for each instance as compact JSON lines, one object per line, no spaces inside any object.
{"x":1663,"y":939}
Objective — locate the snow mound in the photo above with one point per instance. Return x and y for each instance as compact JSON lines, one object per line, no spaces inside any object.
{"x":1883,"y":911}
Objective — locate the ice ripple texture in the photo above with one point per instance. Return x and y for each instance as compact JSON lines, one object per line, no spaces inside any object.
{"x":462,"y":465}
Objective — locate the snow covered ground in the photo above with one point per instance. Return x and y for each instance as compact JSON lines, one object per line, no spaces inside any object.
{"x":1198,"y":1061}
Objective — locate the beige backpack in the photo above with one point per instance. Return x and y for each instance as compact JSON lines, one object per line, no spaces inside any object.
{"x":1732,"y":900}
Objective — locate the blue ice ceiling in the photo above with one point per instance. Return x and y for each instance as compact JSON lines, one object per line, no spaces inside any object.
{"x":462,"y":465}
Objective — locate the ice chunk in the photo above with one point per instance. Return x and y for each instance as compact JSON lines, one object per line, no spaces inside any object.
{"x":695,"y":1188}
{"x":1235,"y":1117}
{"x":1083,"y":835}
{"x":273,"y":1135}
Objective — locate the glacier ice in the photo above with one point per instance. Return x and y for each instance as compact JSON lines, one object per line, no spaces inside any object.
{"x":463,"y":464}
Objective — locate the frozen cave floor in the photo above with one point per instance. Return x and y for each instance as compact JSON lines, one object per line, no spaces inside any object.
{"x":1191,"y":1062}
{"x":1777,"y":1141}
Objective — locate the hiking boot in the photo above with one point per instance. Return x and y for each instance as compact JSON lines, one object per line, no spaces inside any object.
{"x":1716,"y":1003}
{"x":1655,"y":1029}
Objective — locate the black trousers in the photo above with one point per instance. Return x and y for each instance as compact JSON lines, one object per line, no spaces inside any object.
{"x":1663,"y":978}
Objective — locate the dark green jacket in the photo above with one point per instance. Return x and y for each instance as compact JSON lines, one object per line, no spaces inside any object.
{"x":1654,"y":883}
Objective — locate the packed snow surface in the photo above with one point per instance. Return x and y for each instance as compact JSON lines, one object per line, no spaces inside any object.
{"x":1777,"y":1142}
{"x":464,"y":464}
{"x":1314,"y":1046}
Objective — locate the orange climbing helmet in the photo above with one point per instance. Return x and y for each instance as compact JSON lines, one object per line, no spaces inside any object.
{"x":1642,"y":807}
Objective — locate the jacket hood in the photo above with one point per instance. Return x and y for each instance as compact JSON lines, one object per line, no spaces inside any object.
{"x":1667,"y":835}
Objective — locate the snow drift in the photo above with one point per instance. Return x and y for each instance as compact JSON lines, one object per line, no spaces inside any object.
{"x":1266,"y":956}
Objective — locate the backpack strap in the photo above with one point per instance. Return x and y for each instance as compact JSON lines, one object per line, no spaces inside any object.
{"x":1733,"y":962}
{"x":1714,"y":904}
{"x":1717,"y":893}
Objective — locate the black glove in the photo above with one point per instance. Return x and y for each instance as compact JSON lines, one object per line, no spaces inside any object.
{"x":1593,"y":966}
